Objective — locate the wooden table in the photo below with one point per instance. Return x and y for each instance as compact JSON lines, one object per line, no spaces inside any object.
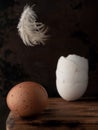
{"x":60,"y":115}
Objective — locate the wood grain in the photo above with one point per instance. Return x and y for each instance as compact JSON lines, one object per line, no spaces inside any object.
{"x":59,"y":115}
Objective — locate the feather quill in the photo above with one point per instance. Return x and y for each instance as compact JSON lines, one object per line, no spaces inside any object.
{"x":31,"y":32}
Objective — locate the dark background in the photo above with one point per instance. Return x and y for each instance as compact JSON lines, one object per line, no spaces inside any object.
{"x":73,"y":28}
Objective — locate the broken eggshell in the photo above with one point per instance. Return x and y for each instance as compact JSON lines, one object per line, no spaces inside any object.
{"x":72,"y":77}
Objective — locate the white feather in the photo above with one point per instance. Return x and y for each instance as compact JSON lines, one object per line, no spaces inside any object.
{"x":31,"y":32}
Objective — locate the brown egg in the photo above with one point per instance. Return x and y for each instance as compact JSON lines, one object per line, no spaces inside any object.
{"x":27,"y":99}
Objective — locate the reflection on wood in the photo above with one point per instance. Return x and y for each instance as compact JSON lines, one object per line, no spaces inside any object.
{"x":59,"y":115}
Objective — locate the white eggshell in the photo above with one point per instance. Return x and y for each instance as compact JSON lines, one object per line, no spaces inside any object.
{"x":72,"y":77}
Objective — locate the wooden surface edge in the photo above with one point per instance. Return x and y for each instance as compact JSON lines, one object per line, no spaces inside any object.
{"x":59,"y":113}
